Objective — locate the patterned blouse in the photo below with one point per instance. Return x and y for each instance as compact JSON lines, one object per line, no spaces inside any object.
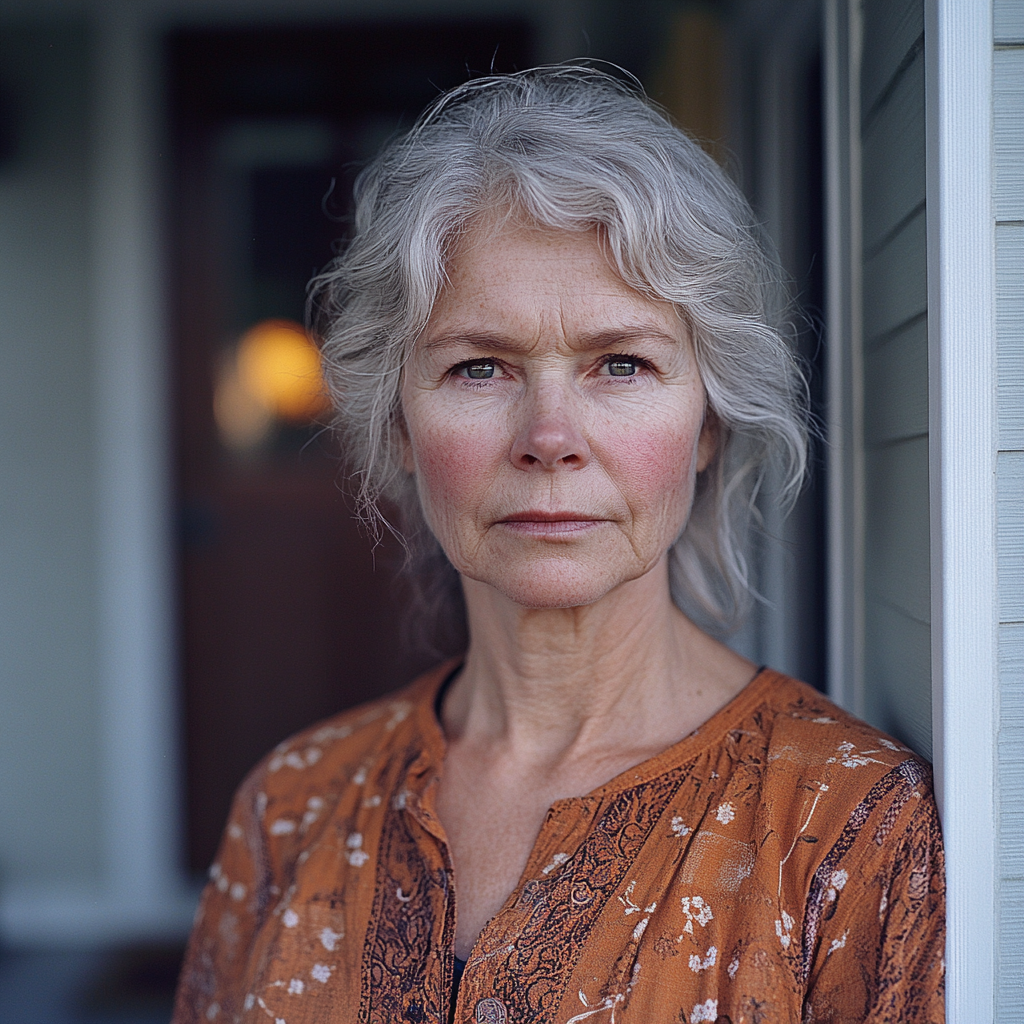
{"x":783,"y":863}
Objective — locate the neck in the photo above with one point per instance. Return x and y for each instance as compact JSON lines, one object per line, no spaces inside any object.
{"x":547,"y":684}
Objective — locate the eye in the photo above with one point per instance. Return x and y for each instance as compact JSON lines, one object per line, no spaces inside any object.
{"x":622,"y":366}
{"x":481,"y":369}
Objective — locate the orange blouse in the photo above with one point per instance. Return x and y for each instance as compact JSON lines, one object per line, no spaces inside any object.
{"x":783,"y":863}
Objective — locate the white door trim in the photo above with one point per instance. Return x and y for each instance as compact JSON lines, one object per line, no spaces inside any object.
{"x":144,"y":887}
{"x":962,"y":470}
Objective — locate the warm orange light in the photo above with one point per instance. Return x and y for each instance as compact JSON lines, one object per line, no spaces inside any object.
{"x":279,"y":365}
{"x":272,"y":375}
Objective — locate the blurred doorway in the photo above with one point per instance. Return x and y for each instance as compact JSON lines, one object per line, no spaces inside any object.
{"x":286,"y":615}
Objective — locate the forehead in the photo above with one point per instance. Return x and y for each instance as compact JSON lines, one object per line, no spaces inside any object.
{"x":513,"y":269}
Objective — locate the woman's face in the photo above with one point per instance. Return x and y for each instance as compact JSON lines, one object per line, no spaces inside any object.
{"x":554,"y":419}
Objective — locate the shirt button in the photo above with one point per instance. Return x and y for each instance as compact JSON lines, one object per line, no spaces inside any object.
{"x":491,"y":1011}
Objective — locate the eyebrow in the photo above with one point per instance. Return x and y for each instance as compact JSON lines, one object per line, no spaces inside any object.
{"x":592,"y":341}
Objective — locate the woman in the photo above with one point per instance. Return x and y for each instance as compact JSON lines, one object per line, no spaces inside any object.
{"x":550,"y":342}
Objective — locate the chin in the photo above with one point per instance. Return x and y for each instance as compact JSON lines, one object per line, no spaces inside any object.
{"x":557,"y":585}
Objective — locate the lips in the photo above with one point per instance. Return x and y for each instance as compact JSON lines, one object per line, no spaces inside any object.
{"x":550,"y":525}
{"x":550,"y":517}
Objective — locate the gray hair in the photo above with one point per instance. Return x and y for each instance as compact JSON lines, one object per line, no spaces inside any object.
{"x":572,"y":148}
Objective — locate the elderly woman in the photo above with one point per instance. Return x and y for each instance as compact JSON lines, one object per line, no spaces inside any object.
{"x":550,"y":343}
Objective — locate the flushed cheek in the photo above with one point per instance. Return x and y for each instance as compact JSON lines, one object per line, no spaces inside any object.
{"x":655,"y":470}
{"x":453,"y":471}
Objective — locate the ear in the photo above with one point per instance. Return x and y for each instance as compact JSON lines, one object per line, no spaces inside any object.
{"x":710,"y":436}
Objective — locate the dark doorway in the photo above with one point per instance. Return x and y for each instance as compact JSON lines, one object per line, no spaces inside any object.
{"x":286,"y":612}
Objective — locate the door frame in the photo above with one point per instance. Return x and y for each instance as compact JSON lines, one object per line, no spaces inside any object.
{"x":962,"y":449}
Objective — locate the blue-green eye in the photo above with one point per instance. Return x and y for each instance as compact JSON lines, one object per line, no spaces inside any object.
{"x":479,"y":371}
{"x":620,"y":367}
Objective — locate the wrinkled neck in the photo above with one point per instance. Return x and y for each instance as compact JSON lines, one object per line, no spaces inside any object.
{"x":629,"y":669}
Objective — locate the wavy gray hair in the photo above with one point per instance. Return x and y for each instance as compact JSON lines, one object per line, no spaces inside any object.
{"x":572,"y":148}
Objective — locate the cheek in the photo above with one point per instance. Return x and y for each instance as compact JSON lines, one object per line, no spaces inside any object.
{"x":451,"y":462}
{"x":659,"y":464}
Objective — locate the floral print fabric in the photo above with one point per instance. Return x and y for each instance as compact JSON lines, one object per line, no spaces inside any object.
{"x":783,"y":863}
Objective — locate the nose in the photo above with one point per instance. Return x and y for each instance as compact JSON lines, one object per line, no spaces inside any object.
{"x":549,"y":436}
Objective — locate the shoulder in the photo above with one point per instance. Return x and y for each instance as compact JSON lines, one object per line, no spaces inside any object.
{"x":860,"y":866}
{"x":862,"y":783}
{"x":846,"y":827}
{"x":804,"y":732}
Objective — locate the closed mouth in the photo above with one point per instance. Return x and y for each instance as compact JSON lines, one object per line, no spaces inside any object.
{"x":551,"y":517}
{"x":550,"y":524}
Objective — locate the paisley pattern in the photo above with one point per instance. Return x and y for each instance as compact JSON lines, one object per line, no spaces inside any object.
{"x":782,"y":863}
{"x":403,"y":980}
{"x":569,"y":903}
{"x":899,"y":783}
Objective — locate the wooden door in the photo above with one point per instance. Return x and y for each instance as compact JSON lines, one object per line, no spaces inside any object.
{"x":286,"y":612}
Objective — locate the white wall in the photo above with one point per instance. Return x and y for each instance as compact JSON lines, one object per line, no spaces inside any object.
{"x":1008,"y":202}
{"x":49,"y":715}
{"x":89,"y":847}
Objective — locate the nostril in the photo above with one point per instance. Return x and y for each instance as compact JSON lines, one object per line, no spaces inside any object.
{"x":550,"y":439}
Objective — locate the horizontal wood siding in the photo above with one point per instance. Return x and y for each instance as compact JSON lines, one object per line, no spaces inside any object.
{"x":897,"y":588}
{"x":900,"y":656}
{"x":1008,"y":132}
{"x":896,"y":522}
{"x":896,"y":281}
{"x":1010,"y":775}
{"x":1008,"y":21}
{"x":893,"y":148}
{"x":1010,"y":335}
{"x":1010,"y":533}
{"x":1008,"y":203}
{"x":896,"y":385}
{"x":1011,"y":751}
{"x":892,"y":30}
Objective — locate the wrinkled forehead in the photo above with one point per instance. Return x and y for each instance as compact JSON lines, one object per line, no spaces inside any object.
{"x":516,"y":285}
{"x":512,"y":259}
{"x":511,"y":241}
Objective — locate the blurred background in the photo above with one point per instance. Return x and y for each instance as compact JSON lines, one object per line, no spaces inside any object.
{"x":182,"y":582}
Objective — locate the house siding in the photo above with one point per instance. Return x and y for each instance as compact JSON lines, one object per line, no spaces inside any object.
{"x":1008,"y":203}
{"x":897,"y":570}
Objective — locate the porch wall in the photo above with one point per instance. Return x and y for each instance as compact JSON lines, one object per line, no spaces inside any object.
{"x":1008,"y":203}
{"x":897,"y":565}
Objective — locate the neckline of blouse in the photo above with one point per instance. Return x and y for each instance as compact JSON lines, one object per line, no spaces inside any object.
{"x":426,"y":690}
